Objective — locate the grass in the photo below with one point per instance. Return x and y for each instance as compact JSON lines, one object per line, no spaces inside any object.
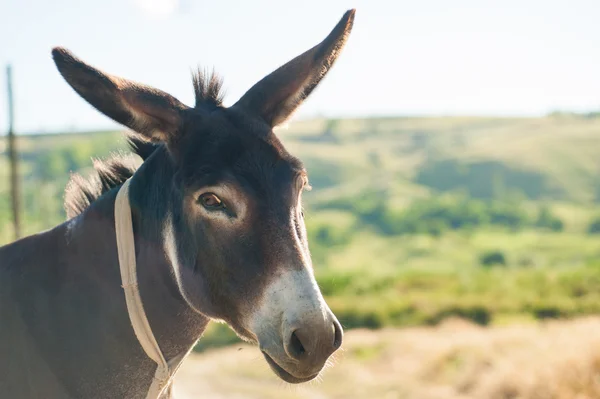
{"x":376,"y":282}
{"x":426,"y":279}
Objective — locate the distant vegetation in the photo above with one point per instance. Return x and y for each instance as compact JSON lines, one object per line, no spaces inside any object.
{"x":413,"y":220}
{"x":594,"y":227}
{"x":438,"y":214}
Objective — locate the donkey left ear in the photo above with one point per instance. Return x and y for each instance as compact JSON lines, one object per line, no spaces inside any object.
{"x":154,"y":114}
{"x":277,"y":96}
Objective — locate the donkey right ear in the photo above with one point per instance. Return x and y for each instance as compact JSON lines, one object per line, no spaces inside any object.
{"x":154,"y":114}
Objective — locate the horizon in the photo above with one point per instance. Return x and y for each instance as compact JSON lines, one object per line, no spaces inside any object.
{"x":120,"y":128}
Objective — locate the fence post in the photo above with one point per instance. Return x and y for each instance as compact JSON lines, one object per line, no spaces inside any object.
{"x":12,"y":156}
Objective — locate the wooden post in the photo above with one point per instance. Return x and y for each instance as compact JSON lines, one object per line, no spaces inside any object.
{"x":12,"y":156}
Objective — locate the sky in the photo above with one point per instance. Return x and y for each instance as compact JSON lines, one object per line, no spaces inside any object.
{"x":428,"y":57}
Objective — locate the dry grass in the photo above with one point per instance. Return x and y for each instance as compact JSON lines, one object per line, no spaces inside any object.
{"x":554,"y":360}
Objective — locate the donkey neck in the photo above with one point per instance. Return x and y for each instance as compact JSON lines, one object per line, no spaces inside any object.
{"x":175,"y":325}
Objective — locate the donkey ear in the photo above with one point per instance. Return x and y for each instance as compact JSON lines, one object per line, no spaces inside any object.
{"x":154,"y":114}
{"x":278,"y":95}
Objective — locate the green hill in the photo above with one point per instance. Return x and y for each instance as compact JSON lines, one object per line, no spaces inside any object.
{"x":543,"y":158}
{"x":412,"y":220}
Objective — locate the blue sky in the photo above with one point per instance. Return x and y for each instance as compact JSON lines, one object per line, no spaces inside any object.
{"x":429,"y":57}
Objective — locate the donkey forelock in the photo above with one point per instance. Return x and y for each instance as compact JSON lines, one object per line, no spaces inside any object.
{"x":208,"y":89}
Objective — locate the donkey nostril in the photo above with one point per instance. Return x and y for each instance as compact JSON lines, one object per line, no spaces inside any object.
{"x":338,"y":334}
{"x":296,"y":347}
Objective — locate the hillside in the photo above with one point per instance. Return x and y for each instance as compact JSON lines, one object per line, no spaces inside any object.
{"x":551,"y":158}
{"x":543,"y":158}
{"x":412,"y":220}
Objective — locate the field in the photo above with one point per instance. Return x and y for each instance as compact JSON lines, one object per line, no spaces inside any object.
{"x":455,"y":360}
{"x":414,"y":224}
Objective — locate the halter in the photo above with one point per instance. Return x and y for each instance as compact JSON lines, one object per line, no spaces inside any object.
{"x":165,"y":371}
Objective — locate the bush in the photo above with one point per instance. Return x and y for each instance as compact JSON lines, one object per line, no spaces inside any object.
{"x":492,"y":258}
{"x":477,"y":314}
{"x":356,"y":318}
{"x":436,"y":215}
{"x":594,"y":227}
{"x":507,"y":214}
{"x":546,"y":220}
{"x":547,"y":312}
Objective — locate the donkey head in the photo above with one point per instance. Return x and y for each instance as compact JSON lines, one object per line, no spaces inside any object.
{"x":234,"y":230}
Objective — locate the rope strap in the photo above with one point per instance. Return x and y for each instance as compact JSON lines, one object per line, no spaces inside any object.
{"x":135,"y":308}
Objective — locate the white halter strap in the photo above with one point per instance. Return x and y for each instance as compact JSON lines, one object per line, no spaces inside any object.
{"x":126,"y":250}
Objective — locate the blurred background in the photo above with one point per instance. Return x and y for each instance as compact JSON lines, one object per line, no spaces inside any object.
{"x":453,"y":151}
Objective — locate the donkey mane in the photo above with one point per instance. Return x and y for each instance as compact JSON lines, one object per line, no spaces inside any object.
{"x":109,"y":173}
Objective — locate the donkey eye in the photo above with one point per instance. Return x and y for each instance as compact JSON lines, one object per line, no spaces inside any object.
{"x":211,"y":202}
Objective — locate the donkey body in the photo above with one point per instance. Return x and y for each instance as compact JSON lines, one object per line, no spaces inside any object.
{"x":219,"y":235}
{"x":64,"y":331}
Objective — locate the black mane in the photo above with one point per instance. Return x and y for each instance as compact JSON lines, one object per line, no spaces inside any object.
{"x":81,"y":192}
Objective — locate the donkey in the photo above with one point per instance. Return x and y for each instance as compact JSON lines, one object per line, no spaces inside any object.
{"x":218,"y":231}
